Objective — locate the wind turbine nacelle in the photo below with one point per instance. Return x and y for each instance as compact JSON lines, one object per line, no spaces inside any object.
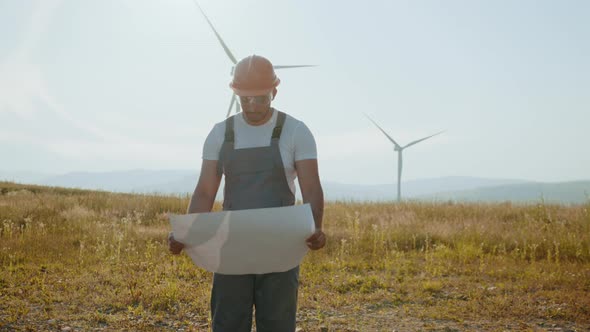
{"x":396,"y":149}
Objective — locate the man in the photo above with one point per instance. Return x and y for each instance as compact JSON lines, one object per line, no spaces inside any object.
{"x":260,"y":151}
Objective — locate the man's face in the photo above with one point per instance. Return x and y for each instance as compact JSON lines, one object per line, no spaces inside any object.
{"x":256,"y":108}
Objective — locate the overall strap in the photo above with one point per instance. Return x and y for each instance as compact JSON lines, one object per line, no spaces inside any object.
{"x":229,"y":130}
{"x":278,"y":129}
{"x":228,"y":144}
{"x":287,"y":197}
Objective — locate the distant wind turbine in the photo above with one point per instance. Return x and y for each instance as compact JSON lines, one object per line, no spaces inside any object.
{"x":399,"y":150}
{"x":233,"y":59}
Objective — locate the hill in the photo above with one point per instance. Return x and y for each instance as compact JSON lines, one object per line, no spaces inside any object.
{"x":575,"y":192}
{"x":457,"y":188}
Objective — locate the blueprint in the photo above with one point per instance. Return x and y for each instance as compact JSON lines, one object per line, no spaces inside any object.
{"x":246,"y":241}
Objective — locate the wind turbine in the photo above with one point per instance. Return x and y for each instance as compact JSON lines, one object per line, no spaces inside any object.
{"x":233,"y":59}
{"x":399,"y":149}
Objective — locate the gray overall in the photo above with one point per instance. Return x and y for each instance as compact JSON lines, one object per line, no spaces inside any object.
{"x":254,"y":178}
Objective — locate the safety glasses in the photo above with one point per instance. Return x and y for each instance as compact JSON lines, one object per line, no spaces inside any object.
{"x":260,"y":100}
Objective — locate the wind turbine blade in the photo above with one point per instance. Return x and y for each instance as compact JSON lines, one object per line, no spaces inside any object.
{"x":422,"y":139}
{"x":292,"y":66}
{"x":231,"y":104}
{"x":383,"y":131}
{"x":225,"y":48}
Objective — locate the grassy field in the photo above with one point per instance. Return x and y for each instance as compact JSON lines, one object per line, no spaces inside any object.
{"x":86,"y":260}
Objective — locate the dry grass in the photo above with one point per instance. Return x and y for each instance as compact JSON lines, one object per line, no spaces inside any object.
{"x":96,"y":260}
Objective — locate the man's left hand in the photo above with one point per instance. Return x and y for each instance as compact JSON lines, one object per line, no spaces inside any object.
{"x":317,"y":240}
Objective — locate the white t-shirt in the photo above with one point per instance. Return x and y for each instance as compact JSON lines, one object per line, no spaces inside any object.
{"x":296,"y":143}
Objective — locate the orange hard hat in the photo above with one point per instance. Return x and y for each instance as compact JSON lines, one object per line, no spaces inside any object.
{"x":254,"y":76}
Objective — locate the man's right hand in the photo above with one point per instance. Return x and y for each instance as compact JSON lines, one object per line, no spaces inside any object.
{"x":174,"y":246}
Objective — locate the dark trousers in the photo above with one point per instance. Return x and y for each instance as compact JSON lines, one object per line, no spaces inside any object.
{"x":274,"y":295}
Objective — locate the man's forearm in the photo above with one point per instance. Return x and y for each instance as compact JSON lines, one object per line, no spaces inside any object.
{"x":200,"y":202}
{"x":316,"y":199}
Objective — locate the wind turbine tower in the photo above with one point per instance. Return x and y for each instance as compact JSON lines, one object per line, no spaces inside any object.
{"x":233,"y":59}
{"x":399,"y":149}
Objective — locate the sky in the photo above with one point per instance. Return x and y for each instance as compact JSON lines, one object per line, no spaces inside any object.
{"x":137,"y":84}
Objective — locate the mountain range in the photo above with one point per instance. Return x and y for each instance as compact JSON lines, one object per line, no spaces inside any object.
{"x":453,"y":188}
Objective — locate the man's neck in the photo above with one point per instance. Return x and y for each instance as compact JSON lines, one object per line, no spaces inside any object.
{"x":264,"y":120}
